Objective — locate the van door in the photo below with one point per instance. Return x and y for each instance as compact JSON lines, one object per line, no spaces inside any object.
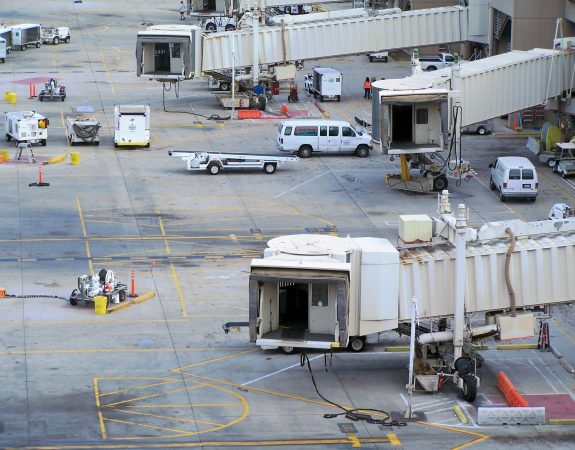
{"x":513,"y":181}
{"x":323,"y":142}
{"x":349,"y":140}
{"x":321,"y":309}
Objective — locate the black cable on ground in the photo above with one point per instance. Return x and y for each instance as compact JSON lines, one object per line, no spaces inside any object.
{"x":176,"y":90}
{"x":36,"y":296}
{"x":354,"y":414}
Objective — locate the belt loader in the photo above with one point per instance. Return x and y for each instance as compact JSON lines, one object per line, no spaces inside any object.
{"x":322,"y":292}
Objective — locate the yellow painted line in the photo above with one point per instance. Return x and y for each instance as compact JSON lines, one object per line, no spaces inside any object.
{"x":399,"y":348}
{"x":393,"y":439}
{"x":100,"y":418}
{"x":480,"y":437}
{"x":247,"y":237}
{"x":230,"y":444}
{"x":563,"y":330}
{"x":460,"y":414}
{"x":155,"y":427}
{"x":107,"y":69}
{"x":145,"y":386}
{"x":213,"y":257}
{"x":516,"y":346}
{"x":209,"y":361}
{"x":160,"y":416}
{"x":85,"y":235}
{"x":351,"y":437}
{"x":561,"y":421}
{"x":109,"y":350}
{"x":121,"y":402}
{"x":187,"y":405}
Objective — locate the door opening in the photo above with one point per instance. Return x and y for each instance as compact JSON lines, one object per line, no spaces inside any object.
{"x":293,"y":309}
{"x":402,"y":123}
{"x":162,"y":57}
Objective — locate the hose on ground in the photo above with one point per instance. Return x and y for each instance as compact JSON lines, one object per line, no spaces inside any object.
{"x":507,"y":274}
{"x":86,"y":132}
{"x":36,"y":296}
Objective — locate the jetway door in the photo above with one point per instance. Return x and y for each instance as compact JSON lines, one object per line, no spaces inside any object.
{"x":162,"y":57}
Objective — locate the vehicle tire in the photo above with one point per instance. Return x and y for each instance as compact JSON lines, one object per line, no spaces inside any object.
{"x":230,"y":27}
{"x":385,"y":59}
{"x":305,"y":151}
{"x":492,"y":184}
{"x":121,"y":296}
{"x":8,"y":138}
{"x":481,"y":131}
{"x":2,"y":60}
{"x":211,"y":27}
{"x":356,"y":344}
{"x":41,"y":98}
{"x":63,"y":97}
{"x":431,"y":68}
{"x":321,"y":98}
{"x":74,"y":294}
{"x":224,"y":86}
{"x":67,"y":40}
{"x":288,"y":350}
{"x":147,"y":145}
{"x":262,"y":102}
{"x":533,"y":199}
{"x":371,"y":59}
{"x":362,"y":151}
{"x":563,"y":175}
{"x":501,"y":196}
{"x":214,"y":169}
{"x":551,"y":163}
{"x":22,"y":48}
{"x":269,"y":168}
{"x":440,"y":183}
{"x":469,"y":390}
{"x":97,"y":143}
{"x":38,"y":45}
{"x":338,"y":98}
{"x":43,"y":142}
{"x":56,"y":40}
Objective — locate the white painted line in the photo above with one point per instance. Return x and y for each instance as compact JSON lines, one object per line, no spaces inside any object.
{"x":544,"y":377}
{"x":279,"y":371}
{"x":439,"y":410}
{"x":404,"y":399}
{"x":63,"y":259}
{"x":439,"y":402}
{"x":567,"y":390}
{"x":27,"y":259}
{"x":302,"y":184}
{"x":482,"y":184}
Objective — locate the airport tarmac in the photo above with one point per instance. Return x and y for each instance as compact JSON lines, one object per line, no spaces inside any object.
{"x":163,"y":374}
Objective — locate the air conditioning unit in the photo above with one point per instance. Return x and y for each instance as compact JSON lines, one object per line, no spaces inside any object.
{"x":565,"y":43}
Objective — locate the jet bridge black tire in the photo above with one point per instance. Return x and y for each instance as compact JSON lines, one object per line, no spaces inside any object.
{"x":469,"y":390}
{"x":440,"y":183}
{"x":356,"y":344}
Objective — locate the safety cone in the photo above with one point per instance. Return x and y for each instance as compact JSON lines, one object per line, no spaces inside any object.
{"x":40,"y":183}
{"x":284,"y":109}
{"x":32,"y":90}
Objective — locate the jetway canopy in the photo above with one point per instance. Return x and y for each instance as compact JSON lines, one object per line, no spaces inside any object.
{"x":338,"y":37}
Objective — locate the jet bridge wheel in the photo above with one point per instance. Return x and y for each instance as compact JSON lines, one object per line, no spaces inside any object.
{"x":469,"y":390}
{"x":440,"y":183}
{"x":356,"y":344}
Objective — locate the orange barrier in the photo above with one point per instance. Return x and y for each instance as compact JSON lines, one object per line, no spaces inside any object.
{"x":509,"y":391}
{"x":249,"y":114}
{"x":32,"y":89}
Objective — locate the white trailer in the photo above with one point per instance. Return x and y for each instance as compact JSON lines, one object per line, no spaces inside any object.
{"x":213,"y":162}
{"x":6,"y":33}
{"x":326,"y":84}
{"x":55,"y":35}
{"x":26,"y":126}
{"x":132,"y":126}
{"x":3,"y":50}
{"x":25,"y":35}
{"x":322,"y":292}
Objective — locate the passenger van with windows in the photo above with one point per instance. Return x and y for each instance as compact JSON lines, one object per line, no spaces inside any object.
{"x":514,"y":177}
{"x":305,"y":137}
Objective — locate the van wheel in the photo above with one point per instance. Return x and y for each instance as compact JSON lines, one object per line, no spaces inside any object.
{"x":56,"y":40}
{"x":211,"y":27}
{"x":270,"y":168}
{"x":501,"y":196}
{"x":214,"y":169}
{"x":481,"y":131}
{"x":305,"y":151}
{"x":67,"y":40}
{"x":371,"y":59}
{"x":440,"y":183}
{"x":338,"y":98}
{"x":431,"y":68}
{"x":551,"y":163}
{"x":362,"y":151}
{"x":22,"y":48}
{"x":356,"y":344}
{"x":38,"y":44}
{"x":492,"y":184}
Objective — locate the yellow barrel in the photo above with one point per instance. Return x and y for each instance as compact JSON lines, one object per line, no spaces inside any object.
{"x":100,"y":303}
{"x":10,"y":97}
{"x":4,"y":155}
{"x":75,"y":158}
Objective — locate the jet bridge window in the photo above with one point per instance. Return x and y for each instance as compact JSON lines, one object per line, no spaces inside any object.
{"x":421,"y":116}
{"x":319,"y":295}
{"x":176,"y":51}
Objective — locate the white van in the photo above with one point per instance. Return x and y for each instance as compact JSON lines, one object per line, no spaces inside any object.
{"x":334,"y":136}
{"x":514,"y":176}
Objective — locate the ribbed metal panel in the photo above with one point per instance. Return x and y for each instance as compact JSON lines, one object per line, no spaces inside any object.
{"x":511,"y":82}
{"x":541,"y":272}
{"x":341,"y":37}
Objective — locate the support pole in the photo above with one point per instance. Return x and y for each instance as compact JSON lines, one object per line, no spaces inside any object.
{"x":460,"y":275}
{"x":409,"y":411}
{"x":256,"y":42}
{"x":404,"y":167}
{"x":233,"y":75}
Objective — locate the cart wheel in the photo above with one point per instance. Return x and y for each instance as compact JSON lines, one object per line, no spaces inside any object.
{"x":214,"y":169}
{"x":551,"y":163}
{"x":122,"y":296}
{"x":288,"y":350}
{"x":38,"y":44}
{"x":56,"y":40}
{"x":67,"y":40}
{"x":73,"y":296}
{"x":469,"y":390}
{"x":357,"y":344}
{"x":270,"y":168}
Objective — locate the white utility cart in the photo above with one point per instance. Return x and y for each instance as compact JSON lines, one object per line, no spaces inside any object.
{"x":214,"y":162}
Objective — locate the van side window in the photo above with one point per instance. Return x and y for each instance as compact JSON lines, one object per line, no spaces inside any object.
{"x":514,"y":174}
{"x":305,"y":131}
{"x":347,"y":132}
{"x":527,"y":174}
{"x":287,"y":131}
{"x":323,"y":131}
{"x":334,"y":131}
{"x":421,"y":116}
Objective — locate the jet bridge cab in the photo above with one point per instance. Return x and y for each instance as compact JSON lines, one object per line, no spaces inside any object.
{"x":169,"y":52}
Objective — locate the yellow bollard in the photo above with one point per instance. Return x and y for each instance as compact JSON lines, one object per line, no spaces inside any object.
{"x":4,"y":154}
{"x":11,"y":97}
{"x":100,"y":303}
{"x":74,"y":158}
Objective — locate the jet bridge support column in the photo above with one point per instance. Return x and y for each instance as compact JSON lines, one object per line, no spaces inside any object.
{"x":460,"y":275}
